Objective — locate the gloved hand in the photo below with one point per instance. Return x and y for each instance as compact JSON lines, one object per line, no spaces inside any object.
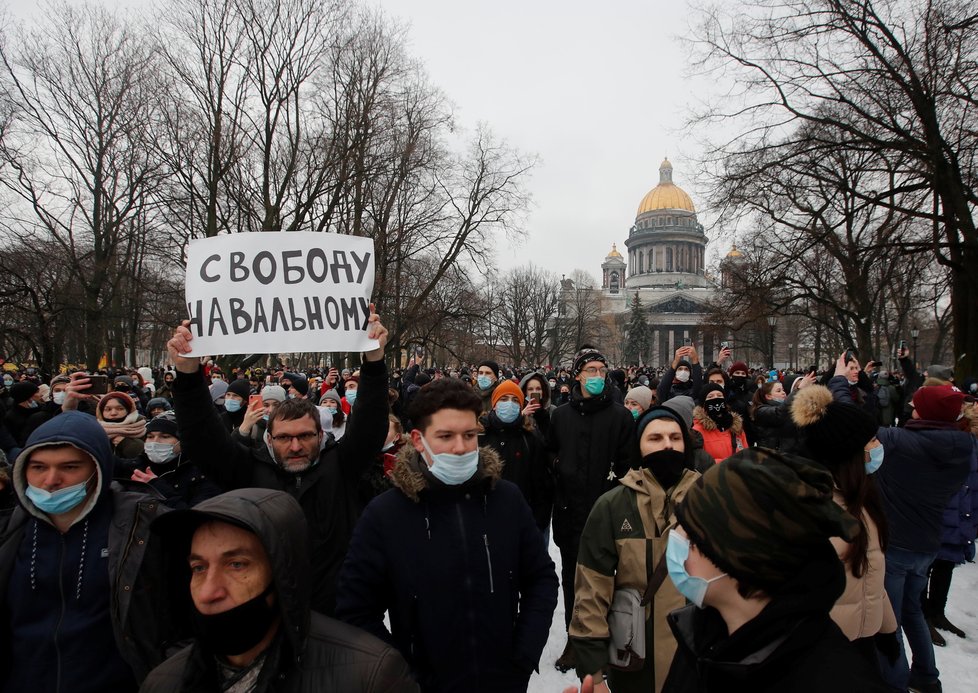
{"x":888,"y":645}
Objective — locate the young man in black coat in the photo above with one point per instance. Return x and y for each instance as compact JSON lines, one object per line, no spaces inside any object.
{"x":299,"y":457}
{"x":453,"y":555}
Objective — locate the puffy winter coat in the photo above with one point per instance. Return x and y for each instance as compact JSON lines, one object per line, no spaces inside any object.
{"x":462,"y":572}
{"x":864,"y":608}
{"x":313,"y":653}
{"x":79,"y":610}
{"x":327,"y":491}
{"x":773,"y":427}
{"x":720,"y":444}
{"x":960,"y":521}
{"x":525,"y":463}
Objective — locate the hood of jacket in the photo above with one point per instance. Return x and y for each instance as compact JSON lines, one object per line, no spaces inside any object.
{"x":78,"y":430}
{"x":276,"y":518}
{"x":708,"y":424}
{"x":546,"y":386}
{"x":410,"y":475}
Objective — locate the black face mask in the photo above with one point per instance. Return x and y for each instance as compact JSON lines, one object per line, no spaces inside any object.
{"x":738,"y":380}
{"x":236,"y":630}
{"x":666,"y":465}
{"x":716,"y":409}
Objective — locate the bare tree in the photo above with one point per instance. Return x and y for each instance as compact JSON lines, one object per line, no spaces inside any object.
{"x":529,"y":304}
{"x":897,"y":78}
{"x":80,"y":146}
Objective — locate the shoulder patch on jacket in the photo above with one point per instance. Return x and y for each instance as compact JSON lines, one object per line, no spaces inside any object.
{"x":626,"y":526}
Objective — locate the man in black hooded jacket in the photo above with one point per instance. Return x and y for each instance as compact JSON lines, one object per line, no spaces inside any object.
{"x":248,"y":602}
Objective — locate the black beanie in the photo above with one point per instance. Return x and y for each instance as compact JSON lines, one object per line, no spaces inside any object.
{"x":300,"y":383}
{"x":23,"y":391}
{"x":585,"y":356}
{"x":492,"y":365}
{"x":242,"y":388}
{"x":833,"y":431}
{"x":707,"y":389}
{"x":164,"y":423}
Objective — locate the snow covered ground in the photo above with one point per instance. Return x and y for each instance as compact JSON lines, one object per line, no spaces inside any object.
{"x":958,"y":662}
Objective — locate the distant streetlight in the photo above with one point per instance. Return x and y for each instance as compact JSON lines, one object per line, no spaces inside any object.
{"x":791,"y":361}
{"x":914,"y":333}
{"x":772,"y":322}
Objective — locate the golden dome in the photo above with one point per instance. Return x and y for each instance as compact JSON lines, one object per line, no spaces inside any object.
{"x":666,"y":195}
{"x":734,"y":252}
{"x":614,"y":251}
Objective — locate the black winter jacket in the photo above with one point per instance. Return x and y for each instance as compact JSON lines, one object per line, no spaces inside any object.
{"x":792,"y":645}
{"x":588,"y":438}
{"x":525,"y":462}
{"x":311,"y":652}
{"x":327,"y":491}
{"x":180,"y":482}
{"x":773,"y":427}
{"x":80,"y":610}
{"x":462,"y":572}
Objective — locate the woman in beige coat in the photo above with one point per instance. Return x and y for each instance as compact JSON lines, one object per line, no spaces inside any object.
{"x":842,"y":438}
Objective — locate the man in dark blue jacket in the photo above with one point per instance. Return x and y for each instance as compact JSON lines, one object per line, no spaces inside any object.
{"x":74,"y":612}
{"x":454,"y":555}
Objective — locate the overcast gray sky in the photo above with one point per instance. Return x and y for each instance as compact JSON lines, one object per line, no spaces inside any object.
{"x":596,"y":91}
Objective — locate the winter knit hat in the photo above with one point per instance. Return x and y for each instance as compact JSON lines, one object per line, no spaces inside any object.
{"x":761,"y":516}
{"x":707,"y":389}
{"x":23,"y":391}
{"x":585,"y":356}
{"x":682,"y":405}
{"x":300,"y":383}
{"x":738,"y":366}
{"x":158,"y":403}
{"x":945,"y":373}
{"x":164,"y":423}
{"x":491,"y":365}
{"x":833,"y":431}
{"x":508,"y":387}
{"x":242,"y":388}
{"x":275,"y":393}
{"x":125,"y":399}
{"x":937,"y":403}
{"x":683,"y":363}
{"x":640,"y":394}
{"x":330,"y":394}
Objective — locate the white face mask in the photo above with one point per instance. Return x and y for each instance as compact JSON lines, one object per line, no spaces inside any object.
{"x":58,"y":398}
{"x":682,"y":376}
{"x":159,"y":453}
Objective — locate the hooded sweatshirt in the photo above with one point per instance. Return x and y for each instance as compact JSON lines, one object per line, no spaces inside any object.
{"x":56,"y":607}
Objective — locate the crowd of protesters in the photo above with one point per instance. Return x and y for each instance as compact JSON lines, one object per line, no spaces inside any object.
{"x":720,"y":527}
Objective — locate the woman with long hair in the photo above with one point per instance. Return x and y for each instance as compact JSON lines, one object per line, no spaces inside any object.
{"x":842,"y":438}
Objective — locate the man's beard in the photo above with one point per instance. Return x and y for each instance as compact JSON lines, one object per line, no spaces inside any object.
{"x":295,"y":465}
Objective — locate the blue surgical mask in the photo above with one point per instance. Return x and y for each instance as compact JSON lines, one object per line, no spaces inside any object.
{"x":693,"y":588}
{"x":330,"y":410}
{"x":508,"y":411}
{"x":875,"y":459}
{"x":8,"y":382}
{"x":594,"y":385}
{"x":485,"y":382}
{"x":635,"y":413}
{"x":450,"y":469}
{"x":232,"y":405}
{"x":60,"y":501}
{"x":351,"y":396}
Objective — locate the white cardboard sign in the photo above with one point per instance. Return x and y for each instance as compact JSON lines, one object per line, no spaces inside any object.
{"x":258,"y":293}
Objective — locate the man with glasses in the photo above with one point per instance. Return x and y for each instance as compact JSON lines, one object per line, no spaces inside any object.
{"x":592,"y":443}
{"x":298,"y":456}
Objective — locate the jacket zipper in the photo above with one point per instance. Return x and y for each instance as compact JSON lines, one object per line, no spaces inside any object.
{"x":61,"y":617}
{"x":485,"y":538}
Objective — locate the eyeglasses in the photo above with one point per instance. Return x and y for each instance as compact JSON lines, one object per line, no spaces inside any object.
{"x":595,"y":371}
{"x":301,"y":437}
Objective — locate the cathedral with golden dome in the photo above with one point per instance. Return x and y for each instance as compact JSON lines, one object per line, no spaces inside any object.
{"x":665,"y":269}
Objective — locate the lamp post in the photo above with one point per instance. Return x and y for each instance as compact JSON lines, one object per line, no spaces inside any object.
{"x":914,"y":333}
{"x":791,"y":361}
{"x":772,"y":322}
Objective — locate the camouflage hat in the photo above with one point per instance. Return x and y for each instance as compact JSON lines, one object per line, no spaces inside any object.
{"x":760,"y":516}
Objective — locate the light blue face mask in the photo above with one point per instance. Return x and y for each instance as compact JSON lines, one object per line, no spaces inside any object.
{"x":508,"y":412}
{"x":60,"y":501}
{"x":232,"y":405}
{"x":693,"y":588}
{"x":875,"y":459}
{"x":594,"y":385}
{"x":351,"y":396}
{"x":450,"y":469}
{"x":485,"y":382}
{"x":330,"y":410}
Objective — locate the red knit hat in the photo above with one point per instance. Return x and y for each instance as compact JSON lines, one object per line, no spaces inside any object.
{"x":507,"y":387}
{"x":938,"y":403}
{"x":738,"y":366}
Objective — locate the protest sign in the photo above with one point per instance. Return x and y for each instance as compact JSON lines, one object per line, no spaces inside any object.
{"x":257,"y":293}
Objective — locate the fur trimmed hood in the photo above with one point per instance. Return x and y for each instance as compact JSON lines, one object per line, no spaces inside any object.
{"x":408,"y":478}
{"x":700,"y":416}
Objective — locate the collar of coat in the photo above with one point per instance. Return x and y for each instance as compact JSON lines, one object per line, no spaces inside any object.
{"x":643,"y":481}
{"x":700,"y":415}
{"x":412,"y":479}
